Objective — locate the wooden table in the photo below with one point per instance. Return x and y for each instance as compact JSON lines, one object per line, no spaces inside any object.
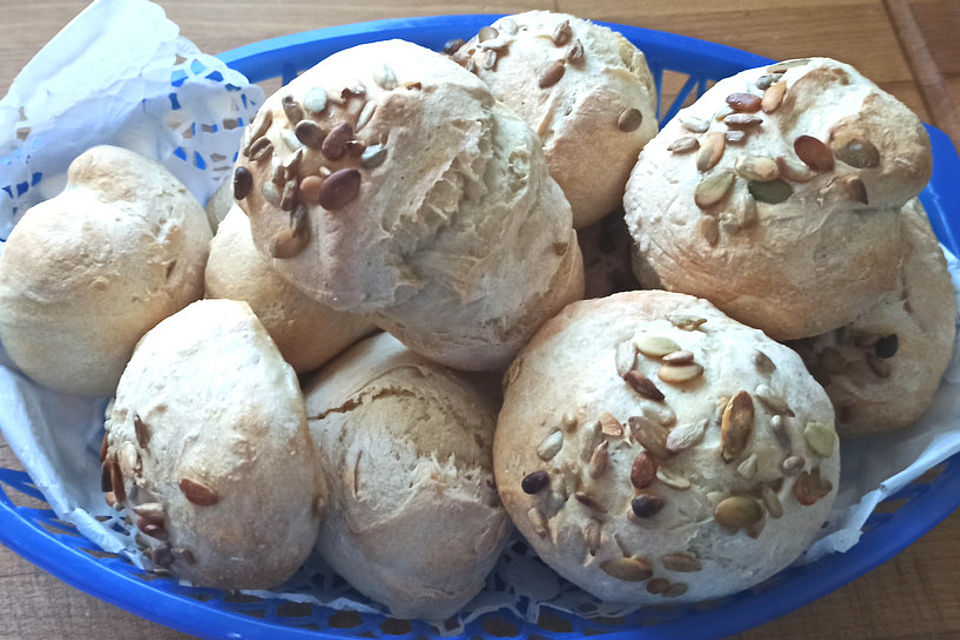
{"x":911,"y":49}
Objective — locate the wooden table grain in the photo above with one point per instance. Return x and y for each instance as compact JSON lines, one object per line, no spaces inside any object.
{"x":910,"y":48}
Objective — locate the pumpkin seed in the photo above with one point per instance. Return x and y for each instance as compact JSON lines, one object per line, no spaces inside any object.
{"x":708,"y":228}
{"x":695,"y":124}
{"x":675,"y":590}
{"x":552,"y":75}
{"x":794,"y":171}
{"x":678,"y":357}
{"x":643,"y":385}
{"x":744,"y":102}
{"x":672,"y":479}
{"x":679,"y":373}
{"x":625,"y":357}
{"x":651,"y":436}
{"x":569,"y":420}
{"x":630,"y":120}
{"x":535,"y":482}
{"x":737,"y":512}
{"x":646,"y":505}
{"x":610,"y":426}
{"x":814,"y":153}
{"x":771,"y":501}
{"x":551,"y":445}
{"x":772,"y":192}
{"x":628,"y":569}
{"x":809,"y":487}
{"x":654,"y":346}
{"x":657,"y":585}
{"x":773,"y":97}
{"x":644,"y":470}
{"x":334,"y":144}
{"x":743,"y":120}
{"x":713,"y":188}
{"x":758,"y":168}
{"x":684,"y":144}
{"x":150,"y":511}
{"x":716,"y":497}
{"x":821,"y":438}
{"x":711,"y":150}
{"x":737,"y":423}
{"x":771,"y":400}
{"x":373,"y":156}
{"x":685,"y":436}
{"x":858,"y":153}
{"x":339,"y":189}
{"x":315,"y":100}
{"x":681,"y":561}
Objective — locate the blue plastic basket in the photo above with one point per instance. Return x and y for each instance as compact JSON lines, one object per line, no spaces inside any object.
{"x":33,"y":531}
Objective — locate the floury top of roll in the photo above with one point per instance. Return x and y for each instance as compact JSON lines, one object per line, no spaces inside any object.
{"x":388,"y":180}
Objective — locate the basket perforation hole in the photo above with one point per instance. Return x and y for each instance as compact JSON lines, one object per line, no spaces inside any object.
{"x":395,"y":627}
{"x":99,"y":554}
{"x":498,"y":626}
{"x":550,"y":622}
{"x":294,"y":609}
{"x":241,"y":598}
{"x":345,"y":620}
{"x":673,"y":82}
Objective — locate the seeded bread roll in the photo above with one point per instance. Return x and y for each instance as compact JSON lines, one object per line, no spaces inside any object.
{"x":606,"y":248}
{"x":583,"y":88}
{"x":387,"y":180}
{"x":651,"y":449}
{"x":881,"y":370}
{"x":219,"y":204}
{"x":86,"y":273}
{"x":414,"y":520}
{"x":777,"y":196}
{"x":207,"y":446}
{"x":307,"y":333}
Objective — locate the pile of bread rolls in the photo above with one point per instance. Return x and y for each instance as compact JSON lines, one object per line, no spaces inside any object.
{"x":651,"y":445}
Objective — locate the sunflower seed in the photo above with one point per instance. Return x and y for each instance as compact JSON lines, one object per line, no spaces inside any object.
{"x":672,"y":479}
{"x":681,"y":561}
{"x":291,"y":240}
{"x":765,"y":81}
{"x":488,"y":60}
{"x":104,"y":447}
{"x":780,"y":67}
{"x":538,"y":521}
{"x":356,"y":90}
{"x":723,"y":113}
{"x":820,"y":438}
{"x":198,"y":492}
{"x":279,"y":175}
{"x":630,"y":120}
{"x":373,"y":156}
{"x":261,"y":149}
{"x":711,"y":150}
{"x":651,"y":436}
{"x":116,"y":481}
{"x":709,"y":229}
{"x":763,"y":363}
{"x":757,"y":168}
{"x":487,"y":33}
{"x":610,"y":426}
{"x":792,"y":465}
{"x":855,"y":188}
{"x":589,"y":501}
{"x":686,"y":323}
{"x":736,"y":136}
{"x":576,"y":55}
{"x":450,"y":47}
{"x":508,"y":26}
{"x":385,"y":78}
{"x":569,"y":420}
{"x":771,"y":501}
{"x":695,"y":124}
{"x":106,"y":479}
{"x":772,"y":192}
{"x":713,"y":188}
{"x":809,"y":487}
{"x":339,"y":189}
{"x":748,"y":468}
{"x":794,"y":171}
{"x":592,"y":436}
{"x":646,"y":505}
{"x":654,"y":346}
{"x":142,"y":431}
{"x":643,"y":385}
{"x":562,"y":34}
{"x":737,"y":512}
{"x":365,"y":114}
{"x":591,"y":537}
{"x":659,"y":413}
{"x":737,"y":425}
{"x":315,"y":100}
{"x":684,"y":144}
{"x":678,"y":357}
{"x":259,"y":128}
{"x":292,"y":109}
{"x":744,"y":102}
{"x":551,"y":445}
{"x":685,"y":436}
{"x":657,"y":585}
{"x":771,"y":400}
{"x":858,"y":153}
{"x":815,"y":154}
{"x":288,"y":198}
{"x":535,"y":482}
{"x":309,"y":133}
{"x":742,"y":120}
{"x":679,"y":373}
{"x":128,"y":459}
{"x":271,"y":193}
{"x":773,"y":97}
{"x":644,"y":470}
{"x":628,"y":569}
{"x":600,"y":460}
{"x":552,"y":75}
{"x":625,"y":357}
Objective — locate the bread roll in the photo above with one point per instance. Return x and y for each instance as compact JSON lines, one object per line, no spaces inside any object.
{"x":208,"y":448}
{"x":583,"y":88}
{"x":306,"y":332}
{"x":86,"y":273}
{"x":882,"y":369}
{"x":652,"y":450}
{"x":414,"y":520}
{"x":219,"y":204}
{"x":388,"y":181}
{"x":777,"y":196}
